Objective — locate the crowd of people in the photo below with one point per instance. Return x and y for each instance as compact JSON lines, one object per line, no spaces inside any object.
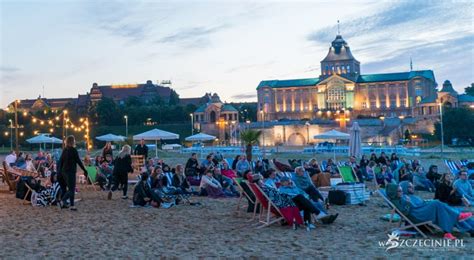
{"x":294,"y":183}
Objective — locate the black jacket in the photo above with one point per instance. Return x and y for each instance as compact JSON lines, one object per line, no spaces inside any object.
{"x":141,"y":150}
{"x":122,"y":166}
{"x":69,"y":160}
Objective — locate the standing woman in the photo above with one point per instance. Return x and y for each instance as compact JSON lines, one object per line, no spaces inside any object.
{"x":122,"y":166}
{"x":107,"y":150}
{"x":68,"y":166}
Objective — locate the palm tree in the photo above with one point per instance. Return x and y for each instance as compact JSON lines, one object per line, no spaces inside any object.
{"x":250,"y":138}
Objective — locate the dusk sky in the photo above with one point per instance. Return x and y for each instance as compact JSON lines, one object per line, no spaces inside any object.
{"x":226,"y":47}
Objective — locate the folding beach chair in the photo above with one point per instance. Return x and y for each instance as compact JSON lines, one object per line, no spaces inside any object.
{"x":286,"y":174}
{"x":347,"y":174}
{"x":323,"y":165}
{"x":92,"y":176}
{"x":270,"y":208}
{"x":405,"y":219}
{"x":453,"y":168}
{"x":243,"y":194}
{"x":9,"y":177}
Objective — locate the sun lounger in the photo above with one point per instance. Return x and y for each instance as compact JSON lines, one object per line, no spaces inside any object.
{"x":405,"y":219}
{"x":10,"y":178}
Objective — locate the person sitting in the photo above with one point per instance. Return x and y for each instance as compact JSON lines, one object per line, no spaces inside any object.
{"x":208,"y":163}
{"x":415,"y":163}
{"x":29,"y":163}
{"x":242,"y":165}
{"x":105,"y":176}
{"x":20,"y":161}
{"x":383,"y":160}
{"x":322,"y":179}
{"x":312,"y":167}
{"x":418,"y":210}
{"x":210,"y":186}
{"x":142,"y":194}
{"x":227,"y":184}
{"x":180,"y":181}
{"x":384,"y":177}
{"x":192,"y":170}
{"x":303,"y":203}
{"x":408,"y":190}
{"x":235,"y":161}
{"x":270,"y":178}
{"x":227,"y":171}
{"x":464,"y":189}
{"x":370,"y":170}
{"x":421,"y":182}
{"x":259,"y":167}
{"x":10,"y":159}
{"x":403,"y":173}
{"x":445,"y":192}
{"x":373,"y":158}
{"x":433,"y":175}
{"x":160,"y":193}
{"x":303,"y":182}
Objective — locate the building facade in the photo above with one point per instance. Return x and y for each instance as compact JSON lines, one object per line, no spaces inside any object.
{"x":341,"y":86}
{"x":217,"y":118}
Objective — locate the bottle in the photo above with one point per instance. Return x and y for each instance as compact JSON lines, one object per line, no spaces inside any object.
{"x":294,"y":224}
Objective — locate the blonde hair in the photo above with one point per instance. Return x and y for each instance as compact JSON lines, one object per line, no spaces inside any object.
{"x":126,"y":150}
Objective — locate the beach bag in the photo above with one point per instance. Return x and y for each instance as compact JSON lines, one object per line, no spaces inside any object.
{"x":337,"y":197}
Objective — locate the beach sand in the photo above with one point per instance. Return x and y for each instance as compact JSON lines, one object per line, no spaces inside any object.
{"x":111,"y":229}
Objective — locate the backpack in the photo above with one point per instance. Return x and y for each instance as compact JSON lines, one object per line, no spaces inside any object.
{"x":337,"y":197}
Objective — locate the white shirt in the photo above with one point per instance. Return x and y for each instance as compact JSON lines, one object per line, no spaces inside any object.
{"x":10,"y":159}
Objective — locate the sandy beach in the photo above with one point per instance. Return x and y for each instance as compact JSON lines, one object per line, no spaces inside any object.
{"x":111,"y":229}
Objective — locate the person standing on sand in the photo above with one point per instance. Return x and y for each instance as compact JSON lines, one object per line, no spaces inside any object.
{"x":142,"y":149}
{"x":122,"y":166}
{"x":68,"y":167}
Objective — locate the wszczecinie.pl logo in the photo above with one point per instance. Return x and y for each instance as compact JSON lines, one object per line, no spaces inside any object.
{"x":394,"y":241}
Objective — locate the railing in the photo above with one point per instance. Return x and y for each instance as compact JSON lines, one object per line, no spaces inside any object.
{"x":226,"y":150}
{"x":365,"y":149}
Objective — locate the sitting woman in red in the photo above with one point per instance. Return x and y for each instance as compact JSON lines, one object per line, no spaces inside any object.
{"x":227,"y":171}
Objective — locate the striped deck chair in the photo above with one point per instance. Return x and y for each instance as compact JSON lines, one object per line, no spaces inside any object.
{"x":323,"y":165}
{"x":463,"y":163}
{"x":286,"y":174}
{"x":405,"y":219}
{"x":347,"y":174}
{"x":453,"y":168}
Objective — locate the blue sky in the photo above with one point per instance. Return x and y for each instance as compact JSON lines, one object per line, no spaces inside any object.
{"x":226,"y":47}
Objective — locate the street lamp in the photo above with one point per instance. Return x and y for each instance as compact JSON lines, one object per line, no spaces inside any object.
{"x":126,"y":125}
{"x":192,"y":123}
{"x":16,"y":126}
{"x":307,"y":124}
{"x":442,"y":128}
{"x":263,"y":131}
{"x":11,"y":134}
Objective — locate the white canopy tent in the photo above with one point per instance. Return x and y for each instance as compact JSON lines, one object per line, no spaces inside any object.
{"x":332,"y":135}
{"x":111,"y":138}
{"x":155,"y":135}
{"x":200,"y":137}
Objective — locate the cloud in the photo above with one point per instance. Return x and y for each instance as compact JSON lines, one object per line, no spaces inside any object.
{"x":193,"y":36}
{"x":250,"y":66}
{"x":8,"y":69}
{"x":247,"y":95}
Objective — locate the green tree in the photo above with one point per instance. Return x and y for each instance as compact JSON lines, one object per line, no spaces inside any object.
{"x":457,"y":123}
{"x":250,"y":137}
{"x":469,"y":90}
{"x":174,"y":98}
{"x":108,"y":112}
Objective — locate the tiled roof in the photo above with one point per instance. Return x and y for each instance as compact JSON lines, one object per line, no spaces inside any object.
{"x":201,"y":108}
{"x":465,"y":98}
{"x":228,"y":107}
{"x":400,"y":76}
{"x":289,"y":83}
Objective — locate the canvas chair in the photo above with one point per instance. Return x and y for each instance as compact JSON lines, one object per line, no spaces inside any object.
{"x":9,"y":177}
{"x":347,"y":174}
{"x":453,"y":168}
{"x":92,"y":177}
{"x":266,"y":205}
{"x":405,"y":219}
{"x":243,"y":195}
